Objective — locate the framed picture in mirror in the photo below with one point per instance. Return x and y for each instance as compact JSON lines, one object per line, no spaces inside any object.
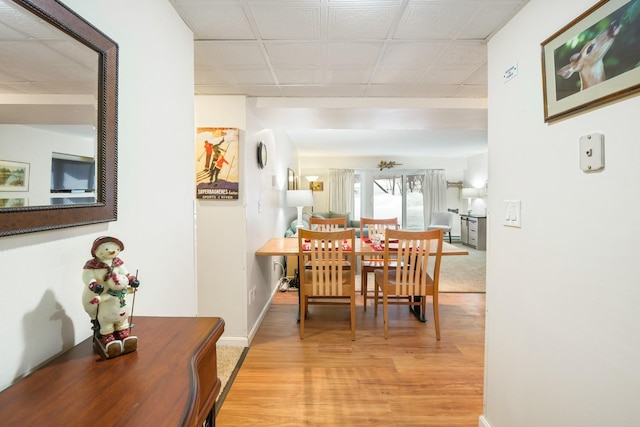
{"x":291,"y":179}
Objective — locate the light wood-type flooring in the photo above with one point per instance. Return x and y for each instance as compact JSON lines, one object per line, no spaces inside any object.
{"x":326,"y":379}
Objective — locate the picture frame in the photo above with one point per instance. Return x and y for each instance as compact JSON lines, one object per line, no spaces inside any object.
{"x":13,"y":202}
{"x":14,"y":176}
{"x":316,"y":186}
{"x":291,"y":180}
{"x":217,"y":163}
{"x":574,"y":81}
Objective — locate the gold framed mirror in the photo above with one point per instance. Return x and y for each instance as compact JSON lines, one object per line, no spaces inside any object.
{"x":78,"y":92}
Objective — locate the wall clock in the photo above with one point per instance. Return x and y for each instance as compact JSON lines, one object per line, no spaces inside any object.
{"x":262,"y":154}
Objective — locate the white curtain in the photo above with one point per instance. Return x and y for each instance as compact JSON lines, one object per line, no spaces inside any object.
{"x":434,"y":193}
{"x":341,"y":190}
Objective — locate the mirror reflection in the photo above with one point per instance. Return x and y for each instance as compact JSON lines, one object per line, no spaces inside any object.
{"x":48,"y":113}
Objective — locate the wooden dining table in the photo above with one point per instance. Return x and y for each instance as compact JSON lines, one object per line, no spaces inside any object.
{"x":288,"y":246}
{"x":285,"y":246}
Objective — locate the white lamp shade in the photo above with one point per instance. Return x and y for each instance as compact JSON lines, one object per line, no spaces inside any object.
{"x":312,"y":178}
{"x":296,"y":198}
{"x":470,"y":193}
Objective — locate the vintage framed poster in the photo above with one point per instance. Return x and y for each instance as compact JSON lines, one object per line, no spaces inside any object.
{"x":14,"y":176}
{"x":593,"y":60}
{"x":217,"y":160}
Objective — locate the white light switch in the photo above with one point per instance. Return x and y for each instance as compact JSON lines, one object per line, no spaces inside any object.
{"x":592,"y":152}
{"x":512,"y":213}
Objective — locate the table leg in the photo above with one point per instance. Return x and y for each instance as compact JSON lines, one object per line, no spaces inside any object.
{"x":416,"y":310}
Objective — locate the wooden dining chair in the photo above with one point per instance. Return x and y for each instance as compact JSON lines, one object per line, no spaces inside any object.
{"x":368,"y":263}
{"x":414,"y":276}
{"x":327,"y":224}
{"x":326,"y":279}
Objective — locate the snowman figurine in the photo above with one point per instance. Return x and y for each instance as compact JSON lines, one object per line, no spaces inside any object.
{"x":104,"y":297}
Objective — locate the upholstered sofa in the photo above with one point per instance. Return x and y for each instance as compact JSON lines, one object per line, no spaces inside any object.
{"x":329,"y":214}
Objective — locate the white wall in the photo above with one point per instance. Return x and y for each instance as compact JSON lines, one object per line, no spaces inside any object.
{"x":221,"y":228}
{"x":35,"y":146}
{"x":43,"y":315}
{"x":229,"y":232}
{"x":562,"y":329}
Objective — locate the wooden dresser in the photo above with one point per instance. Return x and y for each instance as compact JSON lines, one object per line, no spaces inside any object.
{"x":170,"y":380}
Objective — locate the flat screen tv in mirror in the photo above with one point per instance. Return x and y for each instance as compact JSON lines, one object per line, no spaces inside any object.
{"x":58,"y":91}
{"x":72,"y":174}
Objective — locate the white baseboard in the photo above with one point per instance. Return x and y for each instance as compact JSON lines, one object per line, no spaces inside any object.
{"x":242,"y":341}
{"x":482,"y":422}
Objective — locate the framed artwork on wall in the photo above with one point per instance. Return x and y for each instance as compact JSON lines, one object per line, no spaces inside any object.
{"x":316,"y":186}
{"x":14,"y":176}
{"x":593,"y":60}
{"x":14,"y":202}
{"x":217,"y":173}
{"x":291,"y":180}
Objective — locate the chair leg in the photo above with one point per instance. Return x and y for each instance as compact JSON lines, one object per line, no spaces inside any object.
{"x":375,"y":299}
{"x":364,"y":286}
{"x":449,"y":236}
{"x":353,"y":317}
{"x":303,"y":313}
{"x":436,"y":316}
{"x":385,"y":313}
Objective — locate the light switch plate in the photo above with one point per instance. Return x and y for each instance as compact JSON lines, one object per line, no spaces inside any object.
{"x":512,"y":213}
{"x":592,"y":152}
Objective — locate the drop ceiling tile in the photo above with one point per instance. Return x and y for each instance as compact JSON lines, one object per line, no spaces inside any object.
{"x":206,"y":76}
{"x":204,"y":20}
{"x":446,"y":75}
{"x":464,"y":53}
{"x":432,"y":20}
{"x":434,"y":91}
{"x":479,"y":76}
{"x":299,"y":76}
{"x":324,"y":91}
{"x":395,"y":90}
{"x":289,"y":54}
{"x":489,"y":17}
{"x":354,"y":22}
{"x":353,"y":54}
{"x":260,"y":90}
{"x":217,"y":54}
{"x":472,"y":91}
{"x":348,"y":75}
{"x":414,"y":55}
{"x":290,"y":21}
{"x":390,"y":75}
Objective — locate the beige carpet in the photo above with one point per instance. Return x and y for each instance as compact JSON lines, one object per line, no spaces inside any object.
{"x":464,"y":273}
{"x":229,"y":361}
{"x":458,"y":273}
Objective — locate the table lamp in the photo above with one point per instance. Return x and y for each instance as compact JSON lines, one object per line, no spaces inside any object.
{"x":299,"y":199}
{"x":469,"y":194}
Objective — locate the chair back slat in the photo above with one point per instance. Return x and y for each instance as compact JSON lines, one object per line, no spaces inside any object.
{"x":325,"y":253}
{"x":327,"y":224}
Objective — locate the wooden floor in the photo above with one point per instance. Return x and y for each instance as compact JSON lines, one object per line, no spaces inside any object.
{"x":326,"y":379}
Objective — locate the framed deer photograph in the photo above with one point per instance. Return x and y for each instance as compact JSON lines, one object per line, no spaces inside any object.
{"x":593,"y":60}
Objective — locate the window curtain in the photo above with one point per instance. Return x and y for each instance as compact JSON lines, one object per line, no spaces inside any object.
{"x":341,"y":190}
{"x":434,"y":195}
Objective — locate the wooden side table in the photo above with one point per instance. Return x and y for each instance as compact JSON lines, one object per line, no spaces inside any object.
{"x":171,"y":379}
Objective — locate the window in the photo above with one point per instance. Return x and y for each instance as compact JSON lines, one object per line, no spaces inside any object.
{"x":390,"y":194}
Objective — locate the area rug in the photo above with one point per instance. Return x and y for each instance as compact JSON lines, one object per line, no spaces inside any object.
{"x":464,"y":273}
{"x":458,"y":273}
{"x":230,"y":360}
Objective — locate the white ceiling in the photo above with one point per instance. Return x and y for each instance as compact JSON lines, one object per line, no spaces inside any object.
{"x":394,"y":77}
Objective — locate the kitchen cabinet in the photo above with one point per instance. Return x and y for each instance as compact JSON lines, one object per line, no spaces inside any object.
{"x":473,"y":231}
